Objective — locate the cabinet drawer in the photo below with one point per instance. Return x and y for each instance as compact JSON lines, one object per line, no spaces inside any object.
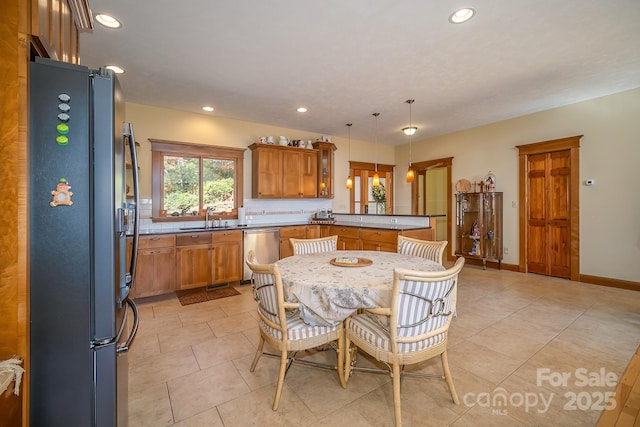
{"x":295,"y":231}
{"x":147,"y":242}
{"x":193,"y":239}
{"x":227,"y":236}
{"x":382,"y":236}
{"x":348,"y":232}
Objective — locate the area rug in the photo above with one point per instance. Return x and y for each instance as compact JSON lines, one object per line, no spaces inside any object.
{"x":193,"y":296}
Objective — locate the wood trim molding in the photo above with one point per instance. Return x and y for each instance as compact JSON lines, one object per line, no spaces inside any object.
{"x":159,"y":147}
{"x":424,"y":166}
{"x":571,"y":143}
{"x":612,"y":283}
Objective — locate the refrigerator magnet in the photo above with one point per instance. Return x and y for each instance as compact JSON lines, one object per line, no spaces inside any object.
{"x":61,"y":195}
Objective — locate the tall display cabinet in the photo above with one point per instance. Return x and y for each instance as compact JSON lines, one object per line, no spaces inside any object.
{"x":325,"y":169}
{"x":479,"y":226}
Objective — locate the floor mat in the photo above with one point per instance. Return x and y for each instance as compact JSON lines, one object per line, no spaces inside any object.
{"x":194,"y":296}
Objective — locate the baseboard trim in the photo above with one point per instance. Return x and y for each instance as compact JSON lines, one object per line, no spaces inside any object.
{"x":583,"y":278}
{"x":490,"y":264}
{"x":612,"y":283}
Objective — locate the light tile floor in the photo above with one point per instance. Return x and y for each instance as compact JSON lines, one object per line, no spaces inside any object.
{"x":515,"y":338}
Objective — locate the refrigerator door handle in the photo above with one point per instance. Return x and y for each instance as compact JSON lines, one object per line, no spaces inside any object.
{"x":127,"y":132}
{"x":124,"y":347}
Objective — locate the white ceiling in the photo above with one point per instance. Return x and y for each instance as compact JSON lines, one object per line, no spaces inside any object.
{"x":346,"y":59}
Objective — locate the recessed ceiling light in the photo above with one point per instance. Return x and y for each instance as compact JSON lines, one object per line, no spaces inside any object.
{"x":108,"y":20}
{"x":115,"y":69}
{"x":301,"y":110}
{"x":462,"y":15}
{"x":207,"y":108}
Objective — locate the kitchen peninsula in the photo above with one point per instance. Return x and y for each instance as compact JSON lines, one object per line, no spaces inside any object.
{"x":172,"y":259}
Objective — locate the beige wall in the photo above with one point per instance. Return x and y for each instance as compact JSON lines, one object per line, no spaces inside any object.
{"x":161,"y":123}
{"x":610,"y":210}
{"x":609,"y":154}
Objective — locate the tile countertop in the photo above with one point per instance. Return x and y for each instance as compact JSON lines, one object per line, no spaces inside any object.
{"x":399,"y":227}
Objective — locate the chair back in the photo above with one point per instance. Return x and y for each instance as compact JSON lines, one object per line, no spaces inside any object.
{"x":422,"y":248}
{"x":269,"y":294}
{"x":313,"y":246}
{"x":422,"y":305}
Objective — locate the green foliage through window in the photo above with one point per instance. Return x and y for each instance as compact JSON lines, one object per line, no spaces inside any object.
{"x":190,"y":178}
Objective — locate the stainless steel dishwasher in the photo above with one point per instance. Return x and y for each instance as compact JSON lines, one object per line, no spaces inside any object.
{"x":265,"y":242}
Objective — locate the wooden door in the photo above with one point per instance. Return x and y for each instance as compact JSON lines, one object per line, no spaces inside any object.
{"x":267,"y":168}
{"x":549,"y":216}
{"x":227,"y":262}
{"x":549,"y":227}
{"x":309,"y":174}
{"x":193,"y":266}
{"x":291,"y":172}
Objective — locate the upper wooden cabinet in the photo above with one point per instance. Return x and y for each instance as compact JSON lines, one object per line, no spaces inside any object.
{"x":325,"y":169}
{"x":283,"y":172}
{"x":54,"y":33}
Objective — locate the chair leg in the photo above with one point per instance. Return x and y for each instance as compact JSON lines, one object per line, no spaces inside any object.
{"x":341,"y":357}
{"x":258,"y":354}
{"x":395,"y":374}
{"x":447,"y":375}
{"x":283,"y":370}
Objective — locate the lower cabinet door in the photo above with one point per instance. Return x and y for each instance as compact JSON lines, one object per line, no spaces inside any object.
{"x":155,"y":272}
{"x":227,"y":262}
{"x":193,"y":266}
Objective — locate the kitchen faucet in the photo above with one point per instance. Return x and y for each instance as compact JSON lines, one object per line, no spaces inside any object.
{"x":206,"y":217}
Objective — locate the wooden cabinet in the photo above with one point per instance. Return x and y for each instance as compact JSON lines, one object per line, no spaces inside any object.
{"x":374,"y":239}
{"x":371,"y":239}
{"x":325,"y":169}
{"x":227,"y":256}
{"x":348,"y":237}
{"x":54,"y":32}
{"x":283,"y":172}
{"x":155,"y":271}
{"x":297,"y":232}
{"x":209,"y":258}
{"x":479,"y":226}
{"x":193,"y":260}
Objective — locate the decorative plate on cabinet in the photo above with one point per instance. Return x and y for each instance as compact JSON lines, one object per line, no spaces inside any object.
{"x":463,"y":186}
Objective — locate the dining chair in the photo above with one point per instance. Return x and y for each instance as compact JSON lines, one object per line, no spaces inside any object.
{"x":423,"y":248}
{"x":281,"y":326}
{"x":414,"y":330}
{"x":313,"y":246}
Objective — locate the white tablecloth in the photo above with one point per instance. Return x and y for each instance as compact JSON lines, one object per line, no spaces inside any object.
{"x":328,"y":294}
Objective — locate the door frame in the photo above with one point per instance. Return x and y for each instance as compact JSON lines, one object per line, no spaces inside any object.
{"x":364,"y":170}
{"x":571,"y":143}
{"x":430,"y":164}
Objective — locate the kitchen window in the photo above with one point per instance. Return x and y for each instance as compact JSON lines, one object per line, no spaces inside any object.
{"x":190,"y":178}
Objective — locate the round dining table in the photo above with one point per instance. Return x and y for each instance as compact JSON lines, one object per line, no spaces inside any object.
{"x":329,"y":293}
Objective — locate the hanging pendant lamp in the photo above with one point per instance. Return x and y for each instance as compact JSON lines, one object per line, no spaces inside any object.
{"x":410,"y":130}
{"x":376,"y":177}
{"x":349,"y":180}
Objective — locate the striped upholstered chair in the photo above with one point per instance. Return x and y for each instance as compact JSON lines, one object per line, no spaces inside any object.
{"x":422,"y":304}
{"x":281,"y":326}
{"x":313,"y":246}
{"x":422,"y":248}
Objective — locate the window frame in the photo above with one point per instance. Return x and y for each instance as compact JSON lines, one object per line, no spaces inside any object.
{"x":161,"y":148}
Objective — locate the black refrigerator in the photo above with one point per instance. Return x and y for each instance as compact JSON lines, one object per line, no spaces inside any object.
{"x":81,"y":319}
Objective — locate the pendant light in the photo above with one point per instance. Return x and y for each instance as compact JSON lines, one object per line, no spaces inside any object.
{"x":376,"y":177}
{"x":410,"y":130}
{"x":349,"y":180}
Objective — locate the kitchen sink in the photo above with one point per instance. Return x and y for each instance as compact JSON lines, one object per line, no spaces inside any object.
{"x":196,"y":228}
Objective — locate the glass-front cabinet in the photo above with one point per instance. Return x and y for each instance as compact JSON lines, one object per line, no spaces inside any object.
{"x":479,"y":226}
{"x":325,"y":169}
